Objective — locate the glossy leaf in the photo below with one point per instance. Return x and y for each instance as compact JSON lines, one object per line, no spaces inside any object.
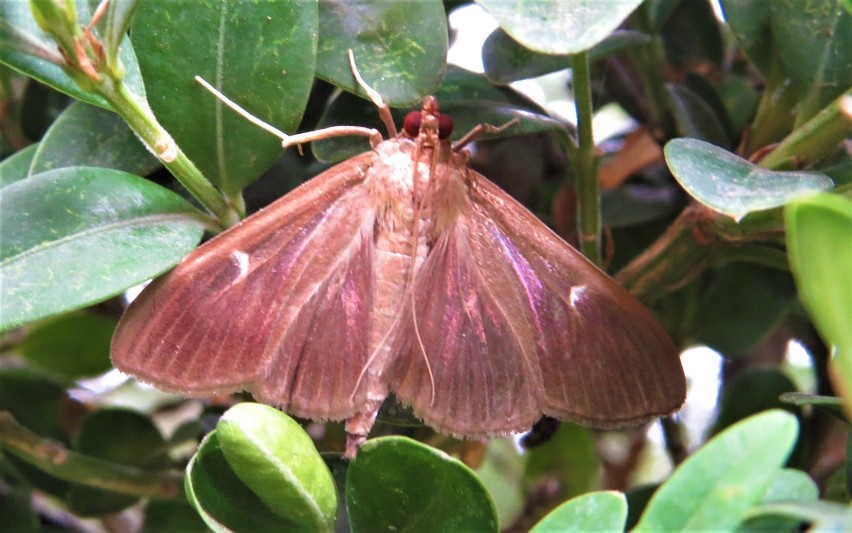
{"x":72,"y":346}
{"x":90,"y":136}
{"x":224,"y":502}
{"x":716,"y":486}
{"x":387,"y":39}
{"x":468,"y":98}
{"x":259,"y":54}
{"x":276,"y":459}
{"x":506,"y":61}
{"x":819,"y":244}
{"x":731,"y":185}
{"x":23,"y":46}
{"x":559,"y":26}
{"x":399,"y":484}
{"x":74,"y":236}
{"x":594,"y":511}
{"x":17,"y":166}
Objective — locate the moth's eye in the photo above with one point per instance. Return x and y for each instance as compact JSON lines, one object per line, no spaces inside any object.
{"x":411,"y":124}
{"x":445,"y":126}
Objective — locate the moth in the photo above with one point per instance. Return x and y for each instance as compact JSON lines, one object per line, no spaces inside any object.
{"x":402,"y":271}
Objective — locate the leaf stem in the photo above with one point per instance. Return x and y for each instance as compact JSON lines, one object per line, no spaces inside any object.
{"x":585,"y":163}
{"x":53,"y":458}
{"x":815,"y":138}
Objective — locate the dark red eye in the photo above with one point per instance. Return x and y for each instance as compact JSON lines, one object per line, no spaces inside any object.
{"x":445,"y":126}
{"x":411,"y":124}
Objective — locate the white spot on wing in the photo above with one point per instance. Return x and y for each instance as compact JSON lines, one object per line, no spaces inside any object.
{"x":576,"y":295}
{"x":242,"y":260}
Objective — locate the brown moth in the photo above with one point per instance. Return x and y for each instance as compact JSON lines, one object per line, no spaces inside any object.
{"x":403,"y":271}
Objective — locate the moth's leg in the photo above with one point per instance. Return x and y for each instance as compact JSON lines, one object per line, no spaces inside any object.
{"x":358,"y":427}
{"x":480,"y":129}
{"x":384,"y":110}
{"x":301,"y":138}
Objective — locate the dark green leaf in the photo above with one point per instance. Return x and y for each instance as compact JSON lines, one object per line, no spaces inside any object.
{"x":731,"y":185}
{"x":749,"y":393}
{"x":221,"y":498}
{"x":398,"y":484}
{"x":567,"y":460}
{"x":750,"y":24}
{"x":506,"y":61}
{"x":259,"y":54}
{"x":163,"y":516}
{"x":33,"y":399}
{"x":74,"y":236}
{"x":694,"y":117}
{"x":594,"y":511}
{"x":400,"y":47}
{"x":16,"y":166}
{"x":691,"y":37}
{"x":276,"y":459}
{"x":716,"y":486}
{"x":72,"y":346}
{"x":559,"y":26}
{"x":93,"y":137}
{"x":469,"y":98}
{"x":731,"y":320}
{"x":16,"y":512}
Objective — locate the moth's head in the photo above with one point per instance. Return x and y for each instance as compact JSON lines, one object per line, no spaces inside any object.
{"x":428,"y":121}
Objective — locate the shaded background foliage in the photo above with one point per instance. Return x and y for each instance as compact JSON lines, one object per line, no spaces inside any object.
{"x":706,"y":198}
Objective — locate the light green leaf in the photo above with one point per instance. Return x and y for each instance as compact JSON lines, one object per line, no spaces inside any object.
{"x":715,"y":487}
{"x":559,"y":26}
{"x":731,"y":185}
{"x":278,"y":461}
{"x":594,"y":511}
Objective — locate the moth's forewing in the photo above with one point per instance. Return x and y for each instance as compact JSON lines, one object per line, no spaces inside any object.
{"x":515,"y":323}
{"x":274,"y":305}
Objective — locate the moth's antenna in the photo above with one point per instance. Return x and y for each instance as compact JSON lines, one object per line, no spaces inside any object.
{"x":384,"y":110}
{"x":480,"y":129}
{"x":301,"y":138}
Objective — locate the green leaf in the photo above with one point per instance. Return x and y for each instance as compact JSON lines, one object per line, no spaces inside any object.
{"x":716,"y":486}
{"x":731,"y":185}
{"x":33,"y":399}
{"x":24,"y":46}
{"x":16,"y":166}
{"x":750,"y":24}
{"x":501,"y":472}
{"x":731,"y":320}
{"x":788,"y":485}
{"x":559,"y":26}
{"x":468,"y":98}
{"x":595,"y":511}
{"x":506,"y":61}
{"x":750,"y":392}
{"x":276,"y":459}
{"x":823,"y":515}
{"x":828,"y":404}
{"x":396,"y":484}
{"x":400,"y":48}
{"x":114,"y":24}
{"x":819,"y":244}
{"x":569,"y":458}
{"x":75,"y":236}
{"x":259,"y":54}
{"x":222,"y":500}
{"x":163,"y":516}
{"x":694,"y":117}
{"x":93,"y":137}
{"x":119,"y":436}
{"x":72,"y":346}
{"x":813,"y":38}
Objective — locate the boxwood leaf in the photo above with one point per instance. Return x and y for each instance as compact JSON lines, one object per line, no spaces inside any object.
{"x":399,"y":484}
{"x":260,"y":54}
{"x":594,"y":511}
{"x":222,"y":500}
{"x":17,"y":166}
{"x":75,"y":236}
{"x":731,"y":185}
{"x":276,"y":459}
{"x":819,"y":244}
{"x":559,"y":26}
{"x":84,"y":135}
{"x":715,"y":487}
{"x":400,"y":48}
